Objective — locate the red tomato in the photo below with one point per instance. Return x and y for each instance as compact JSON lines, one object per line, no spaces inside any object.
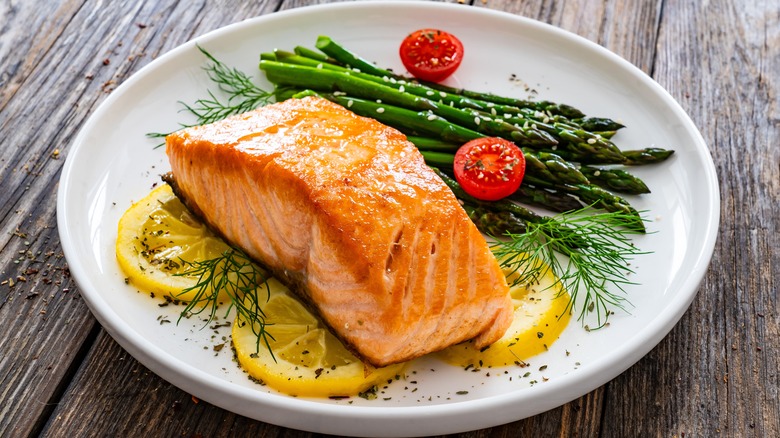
{"x":431,"y":54}
{"x":489,"y":168}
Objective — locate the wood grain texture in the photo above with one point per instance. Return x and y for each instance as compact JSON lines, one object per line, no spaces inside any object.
{"x":715,"y":374}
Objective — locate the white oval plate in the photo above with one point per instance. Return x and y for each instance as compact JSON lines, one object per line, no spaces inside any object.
{"x":112,"y":163}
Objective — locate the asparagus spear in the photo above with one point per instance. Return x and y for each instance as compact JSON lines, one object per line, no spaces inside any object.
{"x":596,"y":124}
{"x":305,"y":52}
{"x":627,"y":157}
{"x":433,"y":144}
{"x":646,"y":156}
{"x":553,"y":200}
{"x":422,"y":123}
{"x":585,"y":143}
{"x":438,"y":159}
{"x":618,"y":180}
{"x":494,"y":223}
{"x":552,"y":167}
{"x":349,"y":59}
{"x":598,"y":198}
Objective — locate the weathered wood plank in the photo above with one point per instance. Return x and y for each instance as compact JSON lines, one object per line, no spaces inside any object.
{"x":113,"y":395}
{"x":715,"y":373}
{"x":45,"y":323}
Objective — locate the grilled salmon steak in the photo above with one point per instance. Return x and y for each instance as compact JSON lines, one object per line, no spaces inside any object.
{"x":343,"y":209}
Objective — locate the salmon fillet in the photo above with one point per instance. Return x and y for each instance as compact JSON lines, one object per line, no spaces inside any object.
{"x":343,"y":209}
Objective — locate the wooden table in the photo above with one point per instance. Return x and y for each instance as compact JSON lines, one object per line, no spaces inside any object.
{"x":716,"y":373}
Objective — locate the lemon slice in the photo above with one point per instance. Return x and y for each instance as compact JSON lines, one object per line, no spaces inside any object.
{"x":155,"y":234}
{"x":307,"y":360}
{"x":540,"y":316}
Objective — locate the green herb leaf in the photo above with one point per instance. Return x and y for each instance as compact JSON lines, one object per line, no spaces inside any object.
{"x":241,"y":95}
{"x":596,"y":265}
{"x":241,"y":279}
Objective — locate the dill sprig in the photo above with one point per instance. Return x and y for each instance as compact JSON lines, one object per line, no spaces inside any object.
{"x":242,"y":280}
{"x":596,"y":251}
{"x":241,"y":95}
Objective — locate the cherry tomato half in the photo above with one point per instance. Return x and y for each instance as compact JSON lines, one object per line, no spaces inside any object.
{"x":489,"y":168}
{"x":431,"y":54}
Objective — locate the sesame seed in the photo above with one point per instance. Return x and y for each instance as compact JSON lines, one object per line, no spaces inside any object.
{"x":379,"y":101}
{"x":401,"y":89}
{"x":429,"y":93}
{"x":477,"y":120}
{"x":432,"y":117}
{"x":380,"y":110}
{"x":319,"y":66}
{"x":493,"y":111}
{"x":597,"y":173}
{"x":546,"y":120}
{"x":442,"y":94}
{"x":385,"y":78}
{"x":357,"y":70}
{"x":349,"y":104}
{"x":591,"y":141}
{"x":507,"y":116}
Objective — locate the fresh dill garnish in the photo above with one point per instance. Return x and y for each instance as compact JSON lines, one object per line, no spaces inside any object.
{"x":242,"y":95}
{"x":598,"y":262}
{"x":243,"y":282}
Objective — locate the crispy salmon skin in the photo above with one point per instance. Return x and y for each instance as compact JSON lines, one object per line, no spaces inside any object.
{"x":344,"y":210}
